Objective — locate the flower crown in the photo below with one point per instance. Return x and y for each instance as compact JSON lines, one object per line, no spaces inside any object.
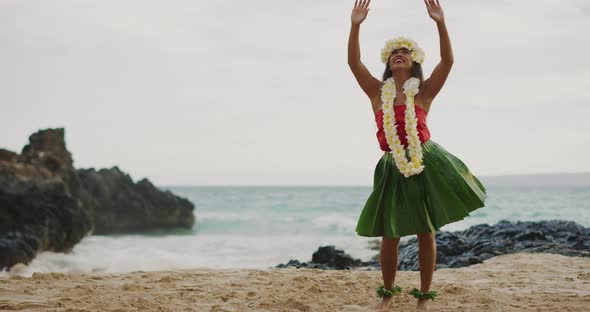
{"x":402,"y":42}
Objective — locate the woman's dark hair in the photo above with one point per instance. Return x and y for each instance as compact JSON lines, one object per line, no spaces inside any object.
{"x":416,"y":71}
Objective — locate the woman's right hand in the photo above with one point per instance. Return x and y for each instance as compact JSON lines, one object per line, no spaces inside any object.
{"x":359,"y":12}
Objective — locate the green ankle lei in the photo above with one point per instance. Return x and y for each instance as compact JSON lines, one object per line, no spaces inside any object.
{"x":383,"y":292}
{"x":420,"y":295}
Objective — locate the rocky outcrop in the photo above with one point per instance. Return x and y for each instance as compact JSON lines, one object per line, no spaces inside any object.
{"x":118,"y":205}
{"x":47,"y":204}
{"x":471,"y":246}
{"x":38,"y":206}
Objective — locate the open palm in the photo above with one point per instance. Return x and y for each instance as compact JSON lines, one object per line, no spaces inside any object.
{"x":360,"y":10}
{"x":434,"y":10}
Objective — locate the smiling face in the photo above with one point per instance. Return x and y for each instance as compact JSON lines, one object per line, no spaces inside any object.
{"x":400,"y":59}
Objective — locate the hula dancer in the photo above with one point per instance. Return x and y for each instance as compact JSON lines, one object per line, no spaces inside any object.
{"x":418,"y":185}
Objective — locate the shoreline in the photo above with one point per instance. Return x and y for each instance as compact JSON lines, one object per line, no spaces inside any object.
{"x":513,"y":282}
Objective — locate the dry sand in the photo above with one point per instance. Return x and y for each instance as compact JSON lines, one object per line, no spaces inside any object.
{"x":517,"y":282}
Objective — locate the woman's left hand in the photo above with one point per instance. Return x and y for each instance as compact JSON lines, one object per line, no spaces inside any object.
{"x":435,"y":10}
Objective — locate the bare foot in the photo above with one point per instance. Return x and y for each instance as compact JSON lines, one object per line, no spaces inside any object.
{"x":385,"y":303}
{"x":422,"y":305}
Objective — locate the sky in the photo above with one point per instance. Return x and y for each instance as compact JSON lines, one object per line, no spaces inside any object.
{"x":260,"y":93}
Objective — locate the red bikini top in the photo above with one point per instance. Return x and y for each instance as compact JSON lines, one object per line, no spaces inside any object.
{"x":400,"y":111}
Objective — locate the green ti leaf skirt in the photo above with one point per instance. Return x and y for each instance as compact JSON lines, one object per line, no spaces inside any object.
{"x":444,"y":192}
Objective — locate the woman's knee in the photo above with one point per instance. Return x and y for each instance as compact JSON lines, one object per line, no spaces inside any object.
{"x":391,"y":240}
{"x":427,"y":236}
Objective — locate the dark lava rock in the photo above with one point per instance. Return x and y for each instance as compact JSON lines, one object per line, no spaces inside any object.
{"x":37,"y":208}
{"x":332,"y":257}
{"x":47,"y":204}
{"x":478,"y":243}
{"x":118,"y":205}
{"x":38,"y":220}
{"x":482,"y":241}
{"x":327,"y":258}
{"x":6,"y":155}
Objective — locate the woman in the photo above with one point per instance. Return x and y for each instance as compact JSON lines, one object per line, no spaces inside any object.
{"x":418,"y":185}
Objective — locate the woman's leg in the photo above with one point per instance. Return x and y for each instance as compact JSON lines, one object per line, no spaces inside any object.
{"x":388,"y":259}
{"x":427,"y":261}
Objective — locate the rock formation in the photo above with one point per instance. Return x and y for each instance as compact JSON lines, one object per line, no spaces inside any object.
{"x":47,"y":204}
{"x":471,"y":246}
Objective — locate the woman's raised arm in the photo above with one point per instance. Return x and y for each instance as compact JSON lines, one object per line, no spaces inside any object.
{"x":370,"y":85}
{"x":439,"y":75}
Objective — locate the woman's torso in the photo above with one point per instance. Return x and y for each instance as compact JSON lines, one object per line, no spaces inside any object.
{"x":421,"y":110}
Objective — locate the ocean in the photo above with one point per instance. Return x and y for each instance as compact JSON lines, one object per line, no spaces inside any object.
{"x":260,"y":227}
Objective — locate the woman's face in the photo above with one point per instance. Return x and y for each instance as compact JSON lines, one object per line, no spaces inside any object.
{"x":400,"y":59}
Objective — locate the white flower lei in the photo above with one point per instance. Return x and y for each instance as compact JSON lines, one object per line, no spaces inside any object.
{"x":388,"y":92}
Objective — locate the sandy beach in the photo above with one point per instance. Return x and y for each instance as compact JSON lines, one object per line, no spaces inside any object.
{"x":516,"y":282}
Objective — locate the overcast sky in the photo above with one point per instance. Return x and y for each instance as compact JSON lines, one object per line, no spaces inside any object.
{"x":259,"y":92}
